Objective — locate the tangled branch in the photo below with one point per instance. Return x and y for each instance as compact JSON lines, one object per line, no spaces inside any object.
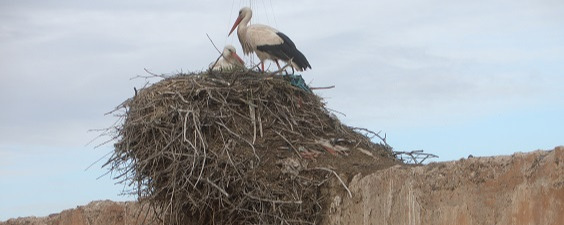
{"x":205,"y":148}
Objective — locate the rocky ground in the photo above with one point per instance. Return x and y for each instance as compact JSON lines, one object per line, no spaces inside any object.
{"x":524,"y":188}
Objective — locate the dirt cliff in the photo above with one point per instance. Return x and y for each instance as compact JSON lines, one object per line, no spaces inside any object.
{"x":95,"y":213}
{"x":517,"y":189}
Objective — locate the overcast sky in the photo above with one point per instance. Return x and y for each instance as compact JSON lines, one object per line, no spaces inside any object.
{"x":450,"y":77}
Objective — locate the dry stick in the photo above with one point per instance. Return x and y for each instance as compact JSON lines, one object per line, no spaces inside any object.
{"x":319,"y":88}
{"x":260,"y":124}
{"x":189,"y":142}
{"x":252,"y":67}
{"x":273,"y":201}
{"x":217,"y":60}
{"x":335,"y":111}
{"x":171,"y":201}
{"x":253,"y":121}
{"x":197,"y":133}
{"x":377,"y":134}
{"x":217,"y":187}
{"x":294,"y":148}
{"x":248,"y":142}
{"x":415,"y":154}
{"x":213,"y":44}
{"x":427,"y":155}
{"x":99,"y":160}
{"x":220,"y":53}
{"x":335,"y":173}
{"x":218,"y":81}
{"x":285,"y":114}
{"x":413,"y":158}
{"x":204,"y":160}
{"x":111,"y":129}
{"x":282,"y":69}
{"x":151,"y":73}
{"x":226,"y":149}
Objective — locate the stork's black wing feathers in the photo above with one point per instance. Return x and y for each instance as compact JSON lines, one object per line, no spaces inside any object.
{"x":286,"y":51}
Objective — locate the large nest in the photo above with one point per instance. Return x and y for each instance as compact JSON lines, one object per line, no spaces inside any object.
{"x":236,"y":148}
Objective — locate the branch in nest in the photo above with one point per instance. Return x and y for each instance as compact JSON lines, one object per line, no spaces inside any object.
{"x":283,"y":68}
{"x":214,"y":45}
{"x":289,"y":143}
{"x":338,"y":177}
{"x":241,"y":138}
{"x":376,"y":134}
{"x":322,"y":88}
{"x":216,"y":187}
{"x":272,"y":201}
{"x":153,"y":75}
{"x":417,"y":154}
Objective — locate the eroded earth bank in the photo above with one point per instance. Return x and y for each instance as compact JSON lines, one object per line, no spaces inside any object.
{"x":524,"y":188}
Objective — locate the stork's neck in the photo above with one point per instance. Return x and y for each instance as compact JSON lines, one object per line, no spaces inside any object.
{"x":242,"y":28}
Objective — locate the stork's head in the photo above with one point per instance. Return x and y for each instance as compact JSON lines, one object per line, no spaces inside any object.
{"x":230,"y":54}
{"x":245,"y":12}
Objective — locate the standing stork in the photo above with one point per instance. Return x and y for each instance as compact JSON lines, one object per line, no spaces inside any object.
{"x":267,"y":42}
{"x":228,"y":60}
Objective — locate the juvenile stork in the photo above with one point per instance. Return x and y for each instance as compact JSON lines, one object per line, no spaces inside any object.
{"x":267,"y":42}
{"x":228,"y":60}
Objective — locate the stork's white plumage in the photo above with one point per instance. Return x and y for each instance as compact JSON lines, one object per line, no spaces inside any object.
{"x":228,"y":60}
{"x":267,"y":42}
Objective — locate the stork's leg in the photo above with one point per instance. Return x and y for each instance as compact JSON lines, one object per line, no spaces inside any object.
{"x":280,"y":68}
{"x":262,"y":66}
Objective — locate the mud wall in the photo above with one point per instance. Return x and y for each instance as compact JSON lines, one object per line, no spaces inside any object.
{"x":95,"y":213}
{"x":518,"y":189}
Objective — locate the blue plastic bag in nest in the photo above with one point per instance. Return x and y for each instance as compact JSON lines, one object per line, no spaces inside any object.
{"x":297,"y":81}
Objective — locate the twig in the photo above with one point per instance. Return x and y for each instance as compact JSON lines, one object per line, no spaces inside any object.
{"x":335,"y":173}
{"x":213,"y":44}
{"x":376,"y":134}
{"x":252,"y":115}
{"x":320,"y":88}
{"x":153,"y":74}
{"x":273,"y":201}
{"x":217,"y":187}
{"x":290,"y":143}
{"x":416,"y":154}
{"x":98,"y":160}
{"x":236,"y":135}
{"x":283,"y":68}
{"x":252,"y":67}
{"x":215,"y":62}
{"x":338,"y":112}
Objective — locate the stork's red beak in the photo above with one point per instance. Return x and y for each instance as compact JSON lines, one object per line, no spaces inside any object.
{"x":235,"y":24}
{"x":238,"y":58}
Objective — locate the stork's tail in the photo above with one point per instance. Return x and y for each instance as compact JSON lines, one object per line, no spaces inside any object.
{"x":299,"y":61}
{"x":286,"y":51}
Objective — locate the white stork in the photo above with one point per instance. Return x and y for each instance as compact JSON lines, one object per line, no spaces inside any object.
{"x":267,"y":42}
{"x":228,"y":60}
